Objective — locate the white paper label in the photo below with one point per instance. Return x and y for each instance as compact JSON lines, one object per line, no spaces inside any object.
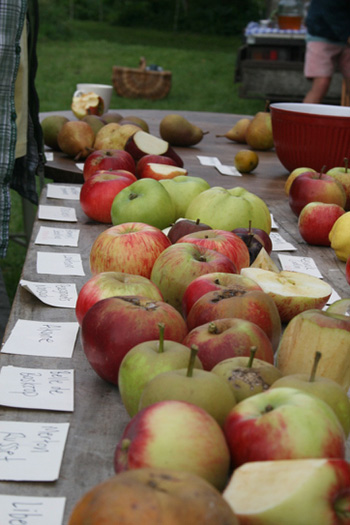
{"x":57,"y":191}
{"x":31,"y":451}
{"x":57,"y":236}
{"x":55,"y":263}
{"x":57,"y":213}
{"x":208,"y":161}
{"x":279,"y":244}
{"x":29,"y":510}
{"x":294,"y":263}
{"x":37,"y":389}
{"x":62,"y":295}
{"x":40,"y":338}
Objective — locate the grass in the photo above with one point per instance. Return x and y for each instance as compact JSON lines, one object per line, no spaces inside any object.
{"x":202,"y":80}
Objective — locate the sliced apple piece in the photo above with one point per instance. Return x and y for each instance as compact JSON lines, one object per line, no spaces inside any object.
{"x":143,"y":143}
{"x":264,"y":261}
{"x":292,"y":292}
{"x":157,"y":171}
{"x":289,"y":492}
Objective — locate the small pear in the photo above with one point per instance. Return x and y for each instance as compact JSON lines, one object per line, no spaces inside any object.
{"x":259,"y":132}
{"x":246,"y":160}
{"x":51,"y":127}
{"x":111,"y":116}
{"x":178,"y":131}
{"x":136,"y":120}
{"x":199,"y":387}
{"x":94,"y":121}
{"x":238,"y":131}
{"x":247,"y":376}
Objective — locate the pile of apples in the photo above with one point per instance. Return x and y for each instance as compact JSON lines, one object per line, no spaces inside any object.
{"x":187,"y":323}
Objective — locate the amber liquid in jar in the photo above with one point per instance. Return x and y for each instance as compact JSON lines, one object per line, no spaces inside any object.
{"x":289,"y":22}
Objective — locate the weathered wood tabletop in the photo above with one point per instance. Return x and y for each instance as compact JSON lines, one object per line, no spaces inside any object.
{"x":99,"y":416}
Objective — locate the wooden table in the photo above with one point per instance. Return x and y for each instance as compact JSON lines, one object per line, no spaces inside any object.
{"x":99,"y":416}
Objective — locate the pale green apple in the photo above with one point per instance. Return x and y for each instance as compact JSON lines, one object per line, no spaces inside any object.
{"x":145,"y":201}
{"x":182,"y":190}
{"x":144,"y":362}
{"x":290,"y":492}
{"x":342,"y":174}
{"x":227,"y":209}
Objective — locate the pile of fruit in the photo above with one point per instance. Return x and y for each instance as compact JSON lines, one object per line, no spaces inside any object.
{"x":184,"y":314}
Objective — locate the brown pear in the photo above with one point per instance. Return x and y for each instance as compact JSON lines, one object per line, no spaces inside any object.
{"x":238,"y":131}
{"x":178,"y":131}
{"x":76,"y":139}
{"x":111,"y":116}
{"x":136,"y":120}
{"x":259,"y":132}
{"x":51,"y":127}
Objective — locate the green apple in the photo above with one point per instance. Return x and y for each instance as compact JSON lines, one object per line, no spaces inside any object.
{"x":145,"y":201}
{"x":227,"y":209}
{"x":342,"y":174}
{"x":324,"y":388}
{"x":290,"y":492}
{"x":144,"y":362}
{"x":182,"y":190}
{"x":198,"y":387}
{"x":316,"y":330}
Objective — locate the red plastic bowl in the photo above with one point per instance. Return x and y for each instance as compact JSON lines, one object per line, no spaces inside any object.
{"x":311,"y":135}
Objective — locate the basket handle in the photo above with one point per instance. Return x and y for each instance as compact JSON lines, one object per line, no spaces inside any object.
{"x":142,"y":63}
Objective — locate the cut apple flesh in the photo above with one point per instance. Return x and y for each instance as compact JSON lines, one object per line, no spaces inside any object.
{"x":285,"y":491}
{"x":293,"y":292}
{"x":166,"y":169}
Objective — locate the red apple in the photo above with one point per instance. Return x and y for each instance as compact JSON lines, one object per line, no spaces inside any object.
{"x":223,"y":242}
{"x":109,"y":284}
{"x":98,"y":192}
{"x":113,"y":159}
{"x":121,"y":173}
{"x":182,"y":262}
{"x":157,"y":171}
{"x":253,"y":305}
{"x":130,"y":247}
{"x":214,"y":281}
{"x":160,"y":159}
{"x":283,"y":423}
{"x":311,"y":187}
{"x":347,"y":270}
{"x":112,"y":326}
{"x":142,"y":143}
{"x":316,"y":220}
{"x":225,"y":338}
{"x":176,"y":435}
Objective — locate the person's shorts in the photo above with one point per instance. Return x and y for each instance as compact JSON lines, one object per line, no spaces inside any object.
{"x":322,"y":59}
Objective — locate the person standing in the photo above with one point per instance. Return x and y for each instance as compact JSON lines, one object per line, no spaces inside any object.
{"x":327,"y":45}
{"x":21,"y":144}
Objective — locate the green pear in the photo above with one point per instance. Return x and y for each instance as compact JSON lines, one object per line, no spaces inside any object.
{"x":51,"y":127}
{"x":131,"y":119}
{"x":144,"y":362}
{"x":95,"y":122}
{"x":322,"y":387}
{"x":111,"y":116}
{"x":178,"y":131}
{"x":259,"y":132}
{"x":199,"y":387}
{"x":247,"y":376}
{"x":238,"y":131}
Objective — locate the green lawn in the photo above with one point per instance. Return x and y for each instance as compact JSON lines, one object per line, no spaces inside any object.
{"x":202,"y":80}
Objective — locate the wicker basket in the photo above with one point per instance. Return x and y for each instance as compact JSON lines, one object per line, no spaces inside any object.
{"x":141,"y":82}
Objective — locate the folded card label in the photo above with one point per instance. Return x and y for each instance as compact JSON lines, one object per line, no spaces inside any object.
{"x":55,"y":263}
{"x":31,"y":451}
{"x":37,"y":388}
{"x":30,"y":510}
{"x":40,"y":338}
{"x":63,"y":295}
{"x":279,"y":244}
{"x":57,"y":236}
{"x":57,"y":213}
{"x":293,"y":263}
{"x":57,"y":191}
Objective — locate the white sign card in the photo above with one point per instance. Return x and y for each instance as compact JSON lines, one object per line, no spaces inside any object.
{"x":57,"y":191}
{"x":62,"y":295}
{"x":55,"y":263}
{"x":208,"y":161}
{"x":57,"y":236}
{"x":274,"y":225}
{"x":80,"y":165}
{"x":29,"y":510}
{"x":279,"y":244}
{"x":42,"y":338}
{"x":294,"y":263}
{"x":49,"y":156}
{"x":334,"y":297}
{"x":37,"y":389}
{"x":228,"y":170}
{"x":57,"y":213}
{"x":31,"y":451}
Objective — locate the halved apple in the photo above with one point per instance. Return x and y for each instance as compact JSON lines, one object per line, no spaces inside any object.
{"x":292,"y":292}
{"x":142,"y":143}
{"x":158,"y":171}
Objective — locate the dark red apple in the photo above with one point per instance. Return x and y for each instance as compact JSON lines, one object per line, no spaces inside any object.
{"x":184,"y":227}
{"x":114,"y":159}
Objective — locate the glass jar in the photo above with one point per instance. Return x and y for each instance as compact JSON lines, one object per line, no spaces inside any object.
{"x":290,"y":14}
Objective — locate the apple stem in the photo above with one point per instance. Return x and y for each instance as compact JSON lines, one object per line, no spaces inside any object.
{"x":132,"y":196}
{"x":253,"y":350}
{"x":161,"y":327}
{"x":346,"y":164}
{"x":212,"y":328}
{"x":194,"y":352}
{"x":198,"y":221}
{"x":318,"y":356}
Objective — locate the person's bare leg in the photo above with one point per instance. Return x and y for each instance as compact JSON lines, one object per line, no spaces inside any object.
{"x":318,"y":90}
